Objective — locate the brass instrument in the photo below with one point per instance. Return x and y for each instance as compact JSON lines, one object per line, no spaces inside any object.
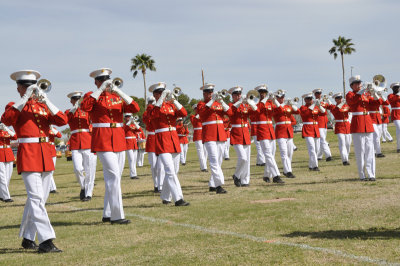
{"x":223,"y":93}
{"x":296,"y":99}
{"x":136,"y":118}
{"x":43,"y":85}
{"x":252,"y":95}
{"x":379,"y":81}
{"x":290,"y":101}
{"x":177,"y":91}
{"x":118,"y":82}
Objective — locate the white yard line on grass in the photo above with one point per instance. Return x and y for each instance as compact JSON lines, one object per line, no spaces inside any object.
{"x":258,"y":239}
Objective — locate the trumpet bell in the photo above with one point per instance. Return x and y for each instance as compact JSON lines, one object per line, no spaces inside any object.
{"x":118,"y":82}
{"x":44,"y":85}
{"x":177,"y":92}
{"x":379,"y":81}
{"x":252,"y":95}
{"x":136,"y":118}
{"x":296,"y":99}
{"x":223,"y":93}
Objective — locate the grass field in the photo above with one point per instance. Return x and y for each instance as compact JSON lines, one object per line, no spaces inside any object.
{"x":317,"y":218}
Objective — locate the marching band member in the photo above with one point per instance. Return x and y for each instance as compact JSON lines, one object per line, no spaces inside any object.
{"x":31,"y":118}
{"x":322,"y":146}
{"x":183,"y":132}
{"x":197,"y":138}
{"x":240,"y":135}
{"x":294,"y":122}
{"x":83,"y":160}
{"x":52,"y":135}
{"x":394,"y":100}
{"x":227,"y":127}
{"x":340,"y":112}
{"x":361,"y":129}
{"x":266,"y":135}
{"x":373,"y":109}
{"x":284,"y":130}
{"x":141,"y":138}
{"x":157,"y":168}
{"x":132,"y":147}
{"x":310,"y":132}
{"x":385,"y":121}
{"x":163,"y":119}
{"x":211,"y":111}
{"x":260,"y":161}
{"x":106,"y":107}
{"x":6,"y":161}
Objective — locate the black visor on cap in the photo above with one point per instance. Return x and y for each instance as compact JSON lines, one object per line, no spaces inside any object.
{"x":338,"y":97}
{"x":159,"y":90}
{"x":26,"y":82}
{"x":102,"y":78}
{"x":208,"y":90}
{"x":75,"y":97}
{"x":280,"y":96}
{"x":356,"y":81}
{"x":396,"y":87}
{"x":262,"y":90}
{"x":308,"y":98}
{"x":236,"y":92}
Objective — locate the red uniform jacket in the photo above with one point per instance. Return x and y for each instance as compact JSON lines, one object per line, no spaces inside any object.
{"x":359,"y":103}
{"x":239,"y":120}
{"x":80,"y":125}
{"x":52,"y":137}
{"x":197,"y":128}
{"x":386,"y":114}
{"x":283,"y":121}
{"x":163,"y":121}
{"x":342,"y":123}
{"x":263,"y":119}
{"x":141,"y":137}
{"x":183,"y":132}
{"x":6,"y":153}
{"x":373,"y":109}
{"x":323,"y":117}
{"x":109,"y":108}
{"x":227,"y":126}
{"x":394,"y":101}
{"x":33,"y":122}
{"x":151,"y":136}
{"x":212,"y":121}
{"x":130,"y":137}
{"x":253,"y":122}
{"x":293,"y":119}
{"x":309,"y":116}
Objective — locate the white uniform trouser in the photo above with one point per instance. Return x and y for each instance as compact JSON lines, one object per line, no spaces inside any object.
{"x":171,"y":186}
{"x":271,"y":169}
{"x":344,"y":146}
{"x":215,"y":151}
{"x":312,"y":144}
{"x":140,"y":157}
{"x":112,"y":170}
{"x":286,"y":151}
{"x":227,"y":147}
{"x":385,"y":133}
{"x":202,"y":154}
{"x":243,"y":163}
{"x":35,"y":218}
{"x":6,"y":169}
{"x":364,"y":151}
{"x":52,"y":183}
{"x":397,"y":124}
{"x":132,"y":157}
{"x":322,"y":146}
{"x":377,"y":137}
{"x":260,"y":154}
{"x":85,"y":169}
{"x":184,"y":149}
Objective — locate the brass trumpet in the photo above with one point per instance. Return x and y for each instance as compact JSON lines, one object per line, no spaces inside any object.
{"x":296,"y":99}
{"x":44,"y":85}
{"x":136,"y":118}
{"x":223,"y":93}
{"x":118,"y":82}
{"x":252,"y":95}
{"x":177,"y":91}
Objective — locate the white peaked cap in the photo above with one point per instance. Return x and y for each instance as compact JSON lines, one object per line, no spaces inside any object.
{"x":235,"y":89}
{"x":25,"y":75}
{"x":159,"y":85}
{"x":394,"y":84}
{"x":310,"y":94}
{"x":128,"y":114}
{"x":337,"y":95}
{"x":207,"y":86}
{"x":179,"y":118}
{"x":150,"y":98}
{"x":74,"y":94}
{"x":317,"y":90}
{"x":262,"y":87}
{"x":100,"y":72}
{"x":354,"y":79}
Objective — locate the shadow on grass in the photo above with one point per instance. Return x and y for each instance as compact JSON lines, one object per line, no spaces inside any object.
{"x":15,"y":250}
{"x":371,"y":233}
{"x":79,"y":210}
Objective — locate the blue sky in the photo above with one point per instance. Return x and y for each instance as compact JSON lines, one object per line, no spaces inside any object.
{"x":281,"y":43}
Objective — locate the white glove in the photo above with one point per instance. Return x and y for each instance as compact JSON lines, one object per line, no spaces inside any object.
{"x":177,"y":104}
{"x":74,"y":108}
{"x":225,"y":106}
{"x":5,"y":128}
{"x":275,"y":101}
{"x":321,"y":108}
{"x":55,"y":131}
{"x":264,"y":100}
{"x":21,"y":103}
{"x":271,"y":96}
{"x":238,"y":103}
{"x":329,"y":101}
{"x":375,"y":95}
{"x":2,"y":126}
{"x":170,"y":97}
{"x":197,"y":116}
{"x":361,"y":91}
{"x":210,"y":102}
{"x":43,"y":98}
{"x":340,"y":105}
{"x":162,"y":97}
{"x":383,"y":97}
{"x":136,"y":125}
{"x":317,"y":102}
{"x":214,"y":96}
{"x":127,"y":99}
{"x":252,"y":104}
{"x":312,"y":106}
{"x":100,"y":90}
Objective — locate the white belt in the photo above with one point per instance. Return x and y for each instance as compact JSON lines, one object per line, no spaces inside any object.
{"x":240,"y":125}
{"x":263,"y":122}
{"x":108,"y":125}
{"x":197,"y":128}
{"x":79,"y":130}
{"x":5,"y":146}
{"x":33,"y":140}
{"x":374,"y":112}
{"x":253,"y":123}
{"x":52,"y":143}
{"x":151,"y":133}
{"x":212,"y":122}
{"x":181,"y":135}
{"x":310,"y":123}
{"x":131,"y":137}
{"x":284,"y":123}
{"x":345,"y":120}
{"x":395,"y":108}
{"x":164,"y":129}
{"x":359,"y":113}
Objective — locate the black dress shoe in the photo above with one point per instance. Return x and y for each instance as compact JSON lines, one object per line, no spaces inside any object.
{"x":221,"y":190}
{"x":121,"y":221}
{"x":87,"y":198}
{"x":390,"y":140}
{"x":48,"y":247}
{"x":346,"y":163}
{"x":1,"y":199}
{"x":277,"y":179}
{"x":260,"y":164}
{"x":319,"y":159}
{"x":166,"y":202}
{"x":329,"y":159}
{"x":53,"y":191}
{"x":316,"y":169}
{"x":267,"y":179}
{"x":227,"y":159}
{"x":29,"y":244}
{"x":212,"y":189}
{"x":156,"y":190}
{"x":9,"y":200}
{"x":380,"y":155}
{"x":371,"y":179}
{"x":398,"y":150}
{"x":236,"y":181}
{"x":181,"y":202}
{"x":183,"y":163}
{"x":290,"y":175}
{"x":204,"y":170}
{"x":82,"y":194}
{"x":106,"y":219}
{"x":134,"y":177}
{"x":245,"y":185}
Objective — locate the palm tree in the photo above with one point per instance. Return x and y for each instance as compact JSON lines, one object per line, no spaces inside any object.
{"x":142,"y":62}
{"x":342,"y":46}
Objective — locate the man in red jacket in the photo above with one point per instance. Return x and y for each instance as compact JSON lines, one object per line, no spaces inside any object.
{"x":183,"y":132}
{"x":394,"y":100}
{"x":6,"y":161}
{"x":54,"y":133}
{"x":131,"y":127}
{"x":361,"y":129}
{"x":197,"y":139}
{"x":385,"y":121}
{"x":31,"y":118}
{"x":106,"y":106}
{"x":322,"y":146}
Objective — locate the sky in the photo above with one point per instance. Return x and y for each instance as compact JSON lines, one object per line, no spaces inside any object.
{"x":283,"y":43}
